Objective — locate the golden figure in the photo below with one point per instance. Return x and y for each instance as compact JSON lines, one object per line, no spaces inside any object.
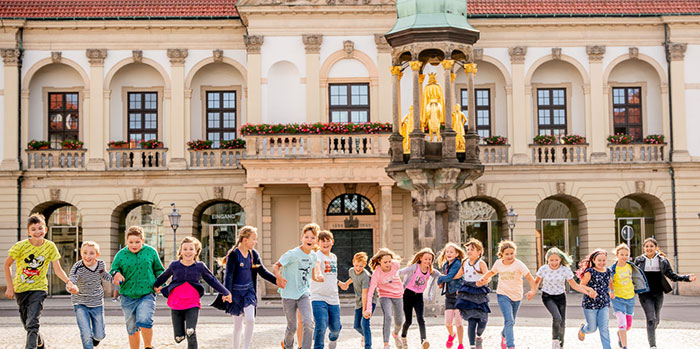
{"x":433,"y":108}
{"x":405,"y":130}
{"x":458,"y":121}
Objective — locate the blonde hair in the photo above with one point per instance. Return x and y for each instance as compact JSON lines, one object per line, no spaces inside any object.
{"x":325,"y":235}
{"x":197,"y":247}
{"x":622,"y":246}
{"x":134,"y":230}
{"x":460,"y":253}
{"x":565,"y":258}
{"x":419,"y":255}
{"x":312,"y":227}
{"x":36,"y":218}
{"x":383,"y":252}
{"x":504,"y":245}
{"x":360,"y":257}
{"x":92,"y":244}
{"x":245,"y":233}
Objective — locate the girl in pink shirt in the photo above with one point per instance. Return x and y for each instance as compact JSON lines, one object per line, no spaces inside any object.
{"x":386,"y":280}
{"x":419,"y":278}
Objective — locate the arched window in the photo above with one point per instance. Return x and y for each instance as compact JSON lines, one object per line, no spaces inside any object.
{"x":345,"y":204}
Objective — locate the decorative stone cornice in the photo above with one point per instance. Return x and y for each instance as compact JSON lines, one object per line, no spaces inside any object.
{"x":218,"y":55}
{"x":56,"y":56}
{"x":595,"y":53}
{"x":556,"y":53}
{"x":517,"y":54}
{"x":382,"y":45}
{"x":10,"y":56}
{"x":137,"y":56}
{"x":96,"y":56}
{"x":177,"y":55}
{"x":348,"y":47}
{"x":634,"y":52}
{"x":478,"y":54}
{"x":312,"y":42}
{"x":676,"y":51}
{"x":253,"y":43}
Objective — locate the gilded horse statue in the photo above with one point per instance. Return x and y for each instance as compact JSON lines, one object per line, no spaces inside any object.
{"x":433,"y":108}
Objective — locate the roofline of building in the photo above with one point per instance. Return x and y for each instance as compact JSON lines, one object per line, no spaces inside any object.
{"x":578,"y":15}
{"x":120,"y":18}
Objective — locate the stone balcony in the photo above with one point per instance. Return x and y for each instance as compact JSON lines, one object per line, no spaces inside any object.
{"x":317,"y":146}
{"x":559,"y":153}
{"x":637,"y":152}
{"x":56,"y":159}
{"x":216,"y":158}
{"x":137,"y":159}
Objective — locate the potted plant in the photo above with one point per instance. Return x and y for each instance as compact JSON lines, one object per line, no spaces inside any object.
{"x":654,"y":139}
{"x":572,"y":139}
{"x":619,"y":138}
{"x":38,"y":145}
{"x":316,"y":128}
{"x":118,"y":145}
{"x":152,"y":144}
{"x":233,"y":144}
{"x":199,"y":144}
{"x":545,"y":140}
{"x":72,"y":144}
{"x":495,"y":140}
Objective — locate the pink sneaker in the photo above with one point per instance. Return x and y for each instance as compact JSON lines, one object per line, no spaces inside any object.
{"x":450,"y":340}
{"x":461,"y":346}
{"x":503,"y":343}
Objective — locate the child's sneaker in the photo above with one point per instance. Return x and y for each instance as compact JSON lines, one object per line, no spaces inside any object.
{"x":461,"y":346}
{"x":397,"y":341}
{"x":424,"y":345}
{"x":581,"y":335}
{"x":332,"y":344}
{"x":404,"y":342}
{"x":95,"y":342}
{"x":479,"y":343}
{"x":503,"y":342}
{"x":450,"y":340}
{"x":556,"y":344}
{"x":387,"y":346}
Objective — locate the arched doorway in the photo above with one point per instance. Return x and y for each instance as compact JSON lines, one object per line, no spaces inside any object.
{"x":217,"y":229}
{"x":64,"y":228}
{"x":557,"y":226}
{"x":147,"y":216}
{"x":482,"y":220}
{"x":638,"y":213}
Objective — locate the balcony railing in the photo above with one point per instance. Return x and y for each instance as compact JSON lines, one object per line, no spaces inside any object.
{"x":56,"y":159}
{"x":621,"y":153}
{"x":216,"y":158}
{"x":494,"y":154}
{"x":559,"y":153}
{"x":332,"y":145}
{"x":137,"y":159}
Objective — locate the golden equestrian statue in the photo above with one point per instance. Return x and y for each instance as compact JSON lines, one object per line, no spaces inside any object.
{"x":433,"y":108}
{"x":405,"y":130}
{"x":458,"y":121}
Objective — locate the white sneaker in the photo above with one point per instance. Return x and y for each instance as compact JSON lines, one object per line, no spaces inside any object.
{"x":556,"y":344}
{"x":332,"y":344}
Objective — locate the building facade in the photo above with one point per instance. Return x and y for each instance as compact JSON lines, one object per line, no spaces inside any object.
{"x":185,"y":73}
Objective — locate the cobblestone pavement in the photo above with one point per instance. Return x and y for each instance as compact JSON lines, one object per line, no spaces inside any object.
{"x":216,"y":332}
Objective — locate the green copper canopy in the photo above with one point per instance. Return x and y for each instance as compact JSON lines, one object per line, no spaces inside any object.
{"x":426,"y":14}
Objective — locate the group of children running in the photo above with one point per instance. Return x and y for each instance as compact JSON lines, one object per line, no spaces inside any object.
{"x":307,"y":280}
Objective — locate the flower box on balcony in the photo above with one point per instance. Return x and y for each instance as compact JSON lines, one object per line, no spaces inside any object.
{"x":495,"y":140}
{"x":72,"y":144}
{"x":654,"y":139}
{"x":233,"y":144}
{"x":118,"y":145}
{"x":620,"y":138}
{"x":572,"y":139}
{"x":199,"y":144}
{"x":38,"y":145}
{"x":544,"y":140}
{"x":316,"y":128}
{"x":152,"y":144}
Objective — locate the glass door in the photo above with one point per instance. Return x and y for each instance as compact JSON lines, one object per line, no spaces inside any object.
{"x":638,"y":225}
{"x":480,"y":230}
{"x":67,"y":240}
{"x":555,"y":233}
{"x":220,"y":239}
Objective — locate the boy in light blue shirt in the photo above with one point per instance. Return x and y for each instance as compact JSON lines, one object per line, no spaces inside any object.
{"x":293,"y":271}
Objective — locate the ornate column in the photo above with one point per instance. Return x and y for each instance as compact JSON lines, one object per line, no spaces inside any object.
{"x":312,"y":45}
{"x":317,"y":203}
{"x":385,"y":231}
{"x":520,"y":118}
{"x":384,"y":67}
{"x":599,"y":105}
{"x":253,"y":44}
{"x":449,"y":150}
{"x":10,"y":159}
{"x":396,"y":140}
{"x":95,"y":123}
{"x":176,"y":122}
{"x":680,"y":135}
{"x":417,"y":136}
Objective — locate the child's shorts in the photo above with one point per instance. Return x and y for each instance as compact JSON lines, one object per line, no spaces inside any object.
{"x":138,"y":312}
{"x":622,"y":305}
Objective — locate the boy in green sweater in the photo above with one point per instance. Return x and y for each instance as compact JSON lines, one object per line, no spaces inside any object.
{"x":135,"y":268}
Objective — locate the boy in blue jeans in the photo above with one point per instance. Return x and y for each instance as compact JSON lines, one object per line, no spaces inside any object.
{"x":88,"y":305}
{"x":359,"y":278}
{"x":293,"y":271}
{"x":324,"y":295}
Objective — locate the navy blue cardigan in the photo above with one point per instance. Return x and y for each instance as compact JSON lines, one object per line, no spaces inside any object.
{"x":190,"y":274}
{"x":232,"y":268}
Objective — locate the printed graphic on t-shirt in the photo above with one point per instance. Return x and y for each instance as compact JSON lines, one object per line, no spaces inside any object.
{"x":330,"y":267}
{"x":625,"y":276}
{"x":31,"y":271}
{"x":420,"y":281}
{"x":509,"y":275}
{"x":304,"y":270}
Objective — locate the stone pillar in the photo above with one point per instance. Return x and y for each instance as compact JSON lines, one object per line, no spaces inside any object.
{"x":417,"y":136}
{"x":384,"y":66}
{"x":10,"y":159}
{"x":453,"y":221}
{"x":680,"y":136}
{"x":96,"y":142}
{"x":520,"y":119}
{"x":600,"y":128}
{"x":317,"y":203}
{"x":176,"y":122}
{"x":396,"y":140}
{"x":385,"y":231}
{"x":253,"y":199}
{"x":312,"y":45}
{"x":254,"y":95}
{"x":449,"y":144}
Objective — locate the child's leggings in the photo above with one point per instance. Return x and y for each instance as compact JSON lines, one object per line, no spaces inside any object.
{"x":391,"y":306}
{"x":249,"y":317}
{"x":411,"y":301}
{"x":476,"y":328}
{"x":184,"y":325}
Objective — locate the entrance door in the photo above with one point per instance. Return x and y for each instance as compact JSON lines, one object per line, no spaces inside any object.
{"x":223,"y":237}
{"x":67,"y":240}
{"x":481,"y":230}
{"x":346,"y":244}
{"x":637,"y":223}
{"x":555,"y":233}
